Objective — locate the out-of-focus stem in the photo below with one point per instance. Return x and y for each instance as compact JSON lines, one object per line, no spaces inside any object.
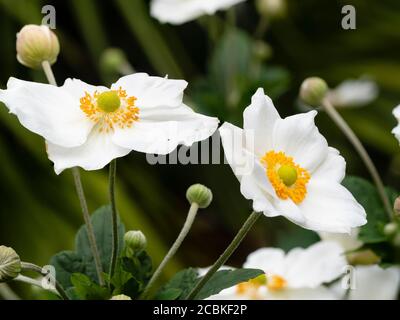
{"x":114,"y":217}
{"x":351,"y":136}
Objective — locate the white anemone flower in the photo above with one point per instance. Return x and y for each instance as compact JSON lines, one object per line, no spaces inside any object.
{"x":182,"y":11}
{"x":298,"y":275}
{"x":371,"y":283}
{"x":287,"y":168}
{"x":88,"y":126}
{"x":364,"y":282}
{"x":354,"y":93}
{"x":396,"y":130}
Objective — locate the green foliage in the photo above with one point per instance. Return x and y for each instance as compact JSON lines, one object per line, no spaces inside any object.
{"x":184,"y":281}
{"x":234,"y":75}
{"x":367,"y":195}
{"x":81,"y":260}
{"x":86,"y":289}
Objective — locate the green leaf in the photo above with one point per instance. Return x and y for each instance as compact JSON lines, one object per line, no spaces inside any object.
{"x":224,"y":279}
{"x":139,"y":266}
{"x":86,"y":289}
{"x":66,"y":263}
{"x":367,"y":195}
{"x":183,"y":281}
{"x":101,"y":220}
{"x":169,"y":294}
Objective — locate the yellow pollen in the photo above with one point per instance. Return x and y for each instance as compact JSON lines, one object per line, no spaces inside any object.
{"x":276,"y":283}
{"x":109,"y":109}
{"x":287,"y":178}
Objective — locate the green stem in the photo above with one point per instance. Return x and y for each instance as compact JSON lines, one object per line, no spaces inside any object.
{"x":226,"y":254}
{"x":114,"y":217}
{"x":32,"y":267}
{"x":182,"y":235}
{"x":88,"y":222}
{"x":7,"y":293}
{"x":81,"y":195}
{"x":351,"y":136}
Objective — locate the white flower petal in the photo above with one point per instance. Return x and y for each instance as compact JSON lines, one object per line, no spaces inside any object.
{"x":77,"y":88}
{"x":270,"y":260}
{"x":354,"y":93}
{"x":47,"y":110}
{"x":396,"y":130}
{"x":330,"y":207}
{"x":318,"y":293}
{"x":311,"y":267}
{"x":152,"y":91}
{"x":161,"y":130}
{"x":375,"y":283}
{"x":95,"y":154}
{"x":181,"y":11}
{"x":333,"y":168}
{"x":261,"y":117}
{"x":299,"y":138}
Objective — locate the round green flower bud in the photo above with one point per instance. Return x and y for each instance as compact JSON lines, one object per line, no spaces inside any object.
{"x":313,"y":91}
{"x":199,"y":194}
{"x":113,"y":59}
{"x":390,"y":229}
{"x":262,"y":50}
{"x":121,"y":297}
{"x":10,"y":264}
{"x":36,"y":44}
{"x":271,"y":8}
{"x":135,"y":240}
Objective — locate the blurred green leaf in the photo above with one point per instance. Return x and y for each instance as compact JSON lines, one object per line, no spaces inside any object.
{"x":367,"y":195}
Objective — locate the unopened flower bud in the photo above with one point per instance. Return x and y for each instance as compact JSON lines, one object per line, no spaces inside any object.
{"x":313,"y":91}
{"x":199,"y":194}
{"x":36,"y":44}
{"x":262,"y":50}
{"x":135,"y":240}
{"x":113,"y":59}
{"x":10,"y":264}
{"x":121,"y":297}
{"x":271,"y":8}
{"x":390,"y":229}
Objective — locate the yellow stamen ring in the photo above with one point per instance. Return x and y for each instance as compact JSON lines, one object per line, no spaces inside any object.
{"x":287,"y":178}
{"x":110,"y":108}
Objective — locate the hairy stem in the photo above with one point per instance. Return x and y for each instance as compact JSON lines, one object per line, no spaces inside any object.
{"x":351,"y":136}
{"x":226,"y":254}
{"x":182,"y":235}
{"x":114,"y":217}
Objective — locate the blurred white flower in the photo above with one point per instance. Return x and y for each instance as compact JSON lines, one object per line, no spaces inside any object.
{"x":354,"y":93}
{"x":348,"y":242}
{"x":297,"y":275}
{"x":364,"y":282}
{"x":396,"y":130}
{"x":287,"y":168}
{"x":182,"y":11}
{"x":88,"y":126}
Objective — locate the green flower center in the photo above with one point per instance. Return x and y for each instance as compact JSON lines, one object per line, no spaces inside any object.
{"x":108,"y":101}
{"x":288,"y":175}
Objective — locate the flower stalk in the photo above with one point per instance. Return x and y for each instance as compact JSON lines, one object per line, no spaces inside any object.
{"x":114,"y":217}
{"x":351,"y":136}
{"x":182,"y":235}
{"x":226,"y":254}
{"x":81,"y":195}
{"x":26,"y":266}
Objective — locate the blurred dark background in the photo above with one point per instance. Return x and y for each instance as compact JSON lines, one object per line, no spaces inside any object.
{"x":40,"y":212}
